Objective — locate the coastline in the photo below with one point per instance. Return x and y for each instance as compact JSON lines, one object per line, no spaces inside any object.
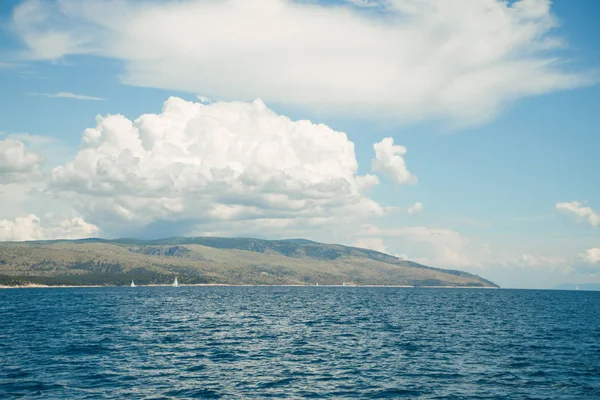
{"x":37,"y":286}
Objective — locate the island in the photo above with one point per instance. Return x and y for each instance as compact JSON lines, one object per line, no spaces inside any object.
{"x":214,"y":260}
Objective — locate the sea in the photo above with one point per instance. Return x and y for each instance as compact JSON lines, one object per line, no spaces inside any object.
{"x":231,"y":342}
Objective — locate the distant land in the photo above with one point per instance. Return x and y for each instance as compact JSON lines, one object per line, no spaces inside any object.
{"x":213,"y":260}
{"x":582,"y":286}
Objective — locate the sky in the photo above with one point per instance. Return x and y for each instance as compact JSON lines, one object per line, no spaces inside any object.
{"x":460,"y":134}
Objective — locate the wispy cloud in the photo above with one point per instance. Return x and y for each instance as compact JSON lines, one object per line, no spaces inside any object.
{"x":465,"y":75}
{"x":68,"y":95}
{"x":28,"y":138}
{"x":591,"y":256}
{"x":203,"y":99}
{"x":415,"y":208}
{"x":578,"y":209}
{"x":363,"y":3}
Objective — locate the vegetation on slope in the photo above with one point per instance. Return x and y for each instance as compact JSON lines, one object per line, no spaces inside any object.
{"x":213,"y":260}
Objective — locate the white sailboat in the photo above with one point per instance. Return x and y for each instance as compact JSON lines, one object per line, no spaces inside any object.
{"x":577,"y":288}
{"x":175,"y":283}
{"x":132,"y":284}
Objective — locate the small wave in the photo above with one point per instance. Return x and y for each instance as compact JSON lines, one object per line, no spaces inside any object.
{"x":197,"y":393}
{"x":90,"y":349}
{"x":276,"y":383}
{"x":308,"y":344}
{"x":196,"y":368}
{"x":395,"y":392}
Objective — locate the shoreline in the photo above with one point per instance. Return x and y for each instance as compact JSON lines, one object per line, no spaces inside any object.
{"x":37,"y":286}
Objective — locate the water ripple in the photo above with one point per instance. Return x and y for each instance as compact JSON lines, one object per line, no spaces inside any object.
{"x":298,"y":342}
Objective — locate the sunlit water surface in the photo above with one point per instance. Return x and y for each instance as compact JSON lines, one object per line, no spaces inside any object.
{"x":295,"y":342}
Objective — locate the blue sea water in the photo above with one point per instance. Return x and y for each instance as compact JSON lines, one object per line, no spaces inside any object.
{"x":298,"y":342}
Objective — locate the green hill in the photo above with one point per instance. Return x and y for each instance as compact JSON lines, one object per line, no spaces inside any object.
{"x":213,"y":260}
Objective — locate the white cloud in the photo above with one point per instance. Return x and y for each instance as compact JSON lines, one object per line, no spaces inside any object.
{"x":15,"y":158}
{"x":581,"y":211}
{"x":442,"y":247}
{"x":445,"y":248}
{"x":203,"y":99}
{"x":22,"y":228}
{"x":438,"y":247}
{"x":29,"y":139}
{"x":591,"y":256}
{"x":415,"y":208}
{"x":29,"y":227}
{"x":365,"y":182}
{"x":458,"y":60}
{"x":388,"y":160}
{"x":18,"y":164}
{"x":68,"y":95}
{"x":218,"y":162}
{"x":364,"y":3}
{"x":371,"y":243}
{"x":529,"y":260}
{"x":73,"y":228}
{"x":49,"y":150}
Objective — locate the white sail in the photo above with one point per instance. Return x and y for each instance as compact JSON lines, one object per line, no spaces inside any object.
{"x":175,"y":283}
{"x":132,"y":284}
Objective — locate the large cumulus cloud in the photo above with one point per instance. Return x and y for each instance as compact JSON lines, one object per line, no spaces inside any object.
{"x":226,"y":161}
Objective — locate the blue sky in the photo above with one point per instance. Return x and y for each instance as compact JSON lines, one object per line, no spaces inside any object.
{"x":491,"y":164}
